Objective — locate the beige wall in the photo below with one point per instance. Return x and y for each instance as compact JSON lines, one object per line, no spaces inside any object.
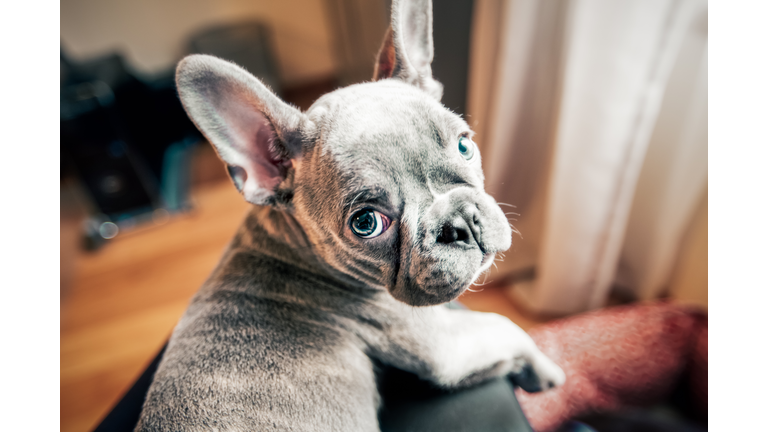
{"x":689,"y":282}
{"x":152,"y":33}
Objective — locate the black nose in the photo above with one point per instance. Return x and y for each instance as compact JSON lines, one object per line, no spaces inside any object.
{"x":463,"y":228}
{"x":455,"y":231}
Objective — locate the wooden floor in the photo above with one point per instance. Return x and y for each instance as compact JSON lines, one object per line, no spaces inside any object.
{"x":120,"y":304}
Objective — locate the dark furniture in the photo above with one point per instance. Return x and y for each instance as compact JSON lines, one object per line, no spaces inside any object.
{"x":409,"y":405}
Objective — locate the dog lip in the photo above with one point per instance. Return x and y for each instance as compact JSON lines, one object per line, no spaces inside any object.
{"x":476,"y":231}
{"x":488,"y":256}
{"x":479,"y":243}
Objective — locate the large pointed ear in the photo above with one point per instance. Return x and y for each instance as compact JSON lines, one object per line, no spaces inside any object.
{"x":407,"y":50}
{"x":254,"y":132}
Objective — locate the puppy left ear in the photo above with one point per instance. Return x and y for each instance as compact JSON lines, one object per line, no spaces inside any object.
{"x":408,"y":50}
{"x":254,"y":132}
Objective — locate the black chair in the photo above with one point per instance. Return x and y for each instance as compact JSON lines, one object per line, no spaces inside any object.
{"x":409,"y":404}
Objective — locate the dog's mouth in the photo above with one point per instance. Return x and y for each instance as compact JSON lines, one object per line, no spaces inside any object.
{"x":488,"y":258}
{"x":441,"y":281}
{"x":485,"y":265}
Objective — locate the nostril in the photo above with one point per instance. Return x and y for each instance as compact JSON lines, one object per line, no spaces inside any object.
{"x":450,"y":233}
{"x":462,"y":235}
{"x":447,"y":234}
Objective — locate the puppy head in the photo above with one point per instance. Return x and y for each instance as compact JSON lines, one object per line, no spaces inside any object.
{"x":385,"y":181}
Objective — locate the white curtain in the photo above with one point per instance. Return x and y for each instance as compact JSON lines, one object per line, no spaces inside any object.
{"x":592,"y":119}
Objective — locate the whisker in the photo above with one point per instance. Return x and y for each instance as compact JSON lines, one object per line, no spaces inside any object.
{"x":479,"y":285}
{"x":510,"y":205}
{"x":485,"y":282}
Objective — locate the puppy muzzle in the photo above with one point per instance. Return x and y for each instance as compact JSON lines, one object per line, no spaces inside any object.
{"x":460,"y":235}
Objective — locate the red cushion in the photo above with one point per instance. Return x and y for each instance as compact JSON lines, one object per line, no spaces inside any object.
{"x":617,"y":357}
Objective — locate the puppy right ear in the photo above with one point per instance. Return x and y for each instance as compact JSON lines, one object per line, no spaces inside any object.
{"x":253,"y":131}
{"x":407,"y":51}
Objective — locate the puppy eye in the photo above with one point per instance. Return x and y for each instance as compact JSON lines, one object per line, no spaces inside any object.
{"x":466,"y":147}
{"x":368,"y":223}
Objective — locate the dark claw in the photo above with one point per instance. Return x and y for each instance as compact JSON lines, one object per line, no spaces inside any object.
{"x":527,"y":379}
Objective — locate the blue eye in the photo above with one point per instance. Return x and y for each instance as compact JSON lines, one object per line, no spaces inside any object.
{"x":367,"y":223}
{"x":466,"y":148}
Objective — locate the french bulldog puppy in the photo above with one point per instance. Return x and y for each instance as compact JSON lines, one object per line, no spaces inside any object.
{"x":369,"y":214}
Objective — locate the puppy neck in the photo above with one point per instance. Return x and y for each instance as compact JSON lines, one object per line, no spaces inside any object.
{"x":275,"y":233}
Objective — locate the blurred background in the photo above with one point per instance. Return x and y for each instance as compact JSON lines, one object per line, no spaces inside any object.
{"x":591,"y":116}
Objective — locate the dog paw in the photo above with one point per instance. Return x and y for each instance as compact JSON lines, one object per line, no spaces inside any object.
{"x":536,"y":373}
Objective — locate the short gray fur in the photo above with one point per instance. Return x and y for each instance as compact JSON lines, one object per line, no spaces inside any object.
{"x":287,"y":331}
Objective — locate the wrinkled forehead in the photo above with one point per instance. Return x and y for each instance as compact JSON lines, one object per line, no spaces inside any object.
{"x":387,"y":125}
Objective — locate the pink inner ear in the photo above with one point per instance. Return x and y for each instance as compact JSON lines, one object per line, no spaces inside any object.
{"x":386,"y":62}
{"x":253,"y":150}
{"x":272,"y":170}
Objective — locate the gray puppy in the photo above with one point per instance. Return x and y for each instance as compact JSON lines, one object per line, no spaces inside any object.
{"x":370,"y":212}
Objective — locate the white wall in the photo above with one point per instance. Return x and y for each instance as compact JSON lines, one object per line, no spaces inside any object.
{"x":596,"y":129}
{"x":152,"y":33}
